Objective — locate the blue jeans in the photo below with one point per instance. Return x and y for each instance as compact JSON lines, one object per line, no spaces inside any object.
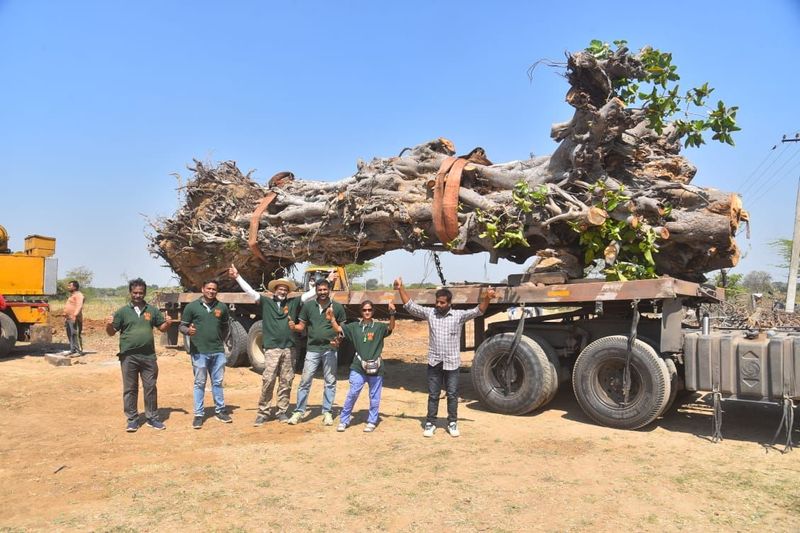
{"x":328,"y":358}
{"x":357,"y":381}
{"x":202,"y":363}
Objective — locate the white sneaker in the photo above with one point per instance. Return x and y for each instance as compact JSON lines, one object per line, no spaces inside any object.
{"x":452,"y":428}
{"x":369,"y":428}
{"x":341,"y":427}
{"x":327,"y":419}
{"x":429,"y":430}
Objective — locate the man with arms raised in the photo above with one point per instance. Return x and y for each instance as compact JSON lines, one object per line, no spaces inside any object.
{"x":444,"y":356}
{"x":277,"y":309}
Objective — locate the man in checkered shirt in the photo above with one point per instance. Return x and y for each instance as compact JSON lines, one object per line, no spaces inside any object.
{"x":444,"y":355}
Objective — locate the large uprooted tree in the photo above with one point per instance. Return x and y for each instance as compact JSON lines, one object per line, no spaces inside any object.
{"x":615,"y":194}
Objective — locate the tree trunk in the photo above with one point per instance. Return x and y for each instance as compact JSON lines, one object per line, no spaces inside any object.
{"x":390,"y":203}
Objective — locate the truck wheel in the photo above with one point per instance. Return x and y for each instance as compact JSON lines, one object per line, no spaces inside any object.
{"x":236,"y":344}
{"x":597,"y":382}
{"x":8,"y":334}
{"x":531,"y":374}
{"x":555,"y":365}
{"x":673,"y":384}
{"x":255,"y":347}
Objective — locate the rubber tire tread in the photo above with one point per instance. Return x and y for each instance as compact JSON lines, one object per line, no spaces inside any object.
{"x":8,"y":334}
{"x":554,"y":364}
{"x":645,"y":360}
{"x":533,"y":391}
{"x":673,"y":384}
{"x":236,"y":344}
{"x":255,"y":347}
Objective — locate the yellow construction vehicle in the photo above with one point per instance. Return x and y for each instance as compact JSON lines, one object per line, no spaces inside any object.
{"x":26,"y":279}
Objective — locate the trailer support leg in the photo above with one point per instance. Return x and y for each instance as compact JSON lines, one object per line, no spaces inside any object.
{"x":626,"y":375}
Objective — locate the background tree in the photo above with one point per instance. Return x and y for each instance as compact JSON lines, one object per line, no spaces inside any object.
{"x":784,"y":249}
{"x":780,"y":287}
{"x":356,"y":271}
{"x":372,"y":284}
{"x":81,"y":274}
{"x":732,"y":283}
{"x":757,"y":281}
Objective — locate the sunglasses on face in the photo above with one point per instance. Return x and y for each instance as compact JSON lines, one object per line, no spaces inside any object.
{"x":366,"y":310}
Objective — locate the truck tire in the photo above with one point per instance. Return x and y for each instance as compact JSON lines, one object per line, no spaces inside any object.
{"x":532,"y":375}
{"x":255,"y":347}
{"x":236,"y":344}
{"x":597,"y":382}
{"x":673,"y":384}
{"x":8,"y":334}
{"x":555,"y":365}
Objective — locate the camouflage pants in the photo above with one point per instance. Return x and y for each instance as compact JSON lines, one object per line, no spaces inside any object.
{"x":279,"y":365}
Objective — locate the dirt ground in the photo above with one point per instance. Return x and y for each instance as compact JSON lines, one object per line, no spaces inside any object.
{"x":66,"y":462}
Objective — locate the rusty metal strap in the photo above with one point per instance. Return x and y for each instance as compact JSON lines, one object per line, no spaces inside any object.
{"x":626,"y":374}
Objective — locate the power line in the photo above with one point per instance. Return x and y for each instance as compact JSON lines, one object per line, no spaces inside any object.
{"x":770,"y":152}
{"x":774,"y":179}
{"x":766,"y":169}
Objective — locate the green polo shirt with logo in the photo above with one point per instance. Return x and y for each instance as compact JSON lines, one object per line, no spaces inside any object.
{"x":211,"y":322}
{"x":367,"y":340}
{"x":319,"y":329}
{"x":275,"y":322}
{"x":136,"y":330}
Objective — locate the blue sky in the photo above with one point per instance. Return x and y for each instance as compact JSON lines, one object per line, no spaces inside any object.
{"x":102,"y":101}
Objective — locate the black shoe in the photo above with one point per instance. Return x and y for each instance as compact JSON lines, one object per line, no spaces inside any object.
{"x":282,"y":418}
{"x":197,"y":423}
{"x":132,"y":426}
{"x":260,"y":420}
{"x":156,"y":424}
{"x":224,"y":417}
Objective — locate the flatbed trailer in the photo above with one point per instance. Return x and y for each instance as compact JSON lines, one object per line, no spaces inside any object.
{"x":625,"y":346}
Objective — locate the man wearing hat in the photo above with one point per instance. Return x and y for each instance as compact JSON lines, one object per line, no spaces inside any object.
{"x":278,"y":341}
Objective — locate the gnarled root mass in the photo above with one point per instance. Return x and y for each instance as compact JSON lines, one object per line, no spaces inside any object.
{"x":389,"y":202}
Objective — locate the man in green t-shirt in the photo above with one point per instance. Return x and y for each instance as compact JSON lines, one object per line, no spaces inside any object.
{"x":321,"y":348}
{"x":277,"y":309}
{"x":137,"y":354}
{"x":205,"y":320}
{"x":367,"y":337}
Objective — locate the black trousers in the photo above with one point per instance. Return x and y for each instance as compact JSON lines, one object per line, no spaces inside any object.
{"x":437,"y":376}
{"x":74,"y":330}
{"x":134,"y":366}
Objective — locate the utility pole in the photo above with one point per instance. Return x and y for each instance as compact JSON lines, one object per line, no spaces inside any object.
{"x":791,"y":288}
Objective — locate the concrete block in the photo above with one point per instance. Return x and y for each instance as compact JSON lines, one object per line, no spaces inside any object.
{"x":58,"y":360}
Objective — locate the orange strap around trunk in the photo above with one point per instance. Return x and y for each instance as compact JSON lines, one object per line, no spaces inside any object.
{"x":445,"y":199}
{"x":276,"y":181}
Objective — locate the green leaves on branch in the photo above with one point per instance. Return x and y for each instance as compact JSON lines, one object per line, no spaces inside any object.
{"x":526,"y":198}
{"x":503,"y":230}
{"x":626,"y":247}
{"x":660,"y":100}
{"x":507,"y":229}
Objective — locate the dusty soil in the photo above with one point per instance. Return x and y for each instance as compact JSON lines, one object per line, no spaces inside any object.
{"x":66,"y":462}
